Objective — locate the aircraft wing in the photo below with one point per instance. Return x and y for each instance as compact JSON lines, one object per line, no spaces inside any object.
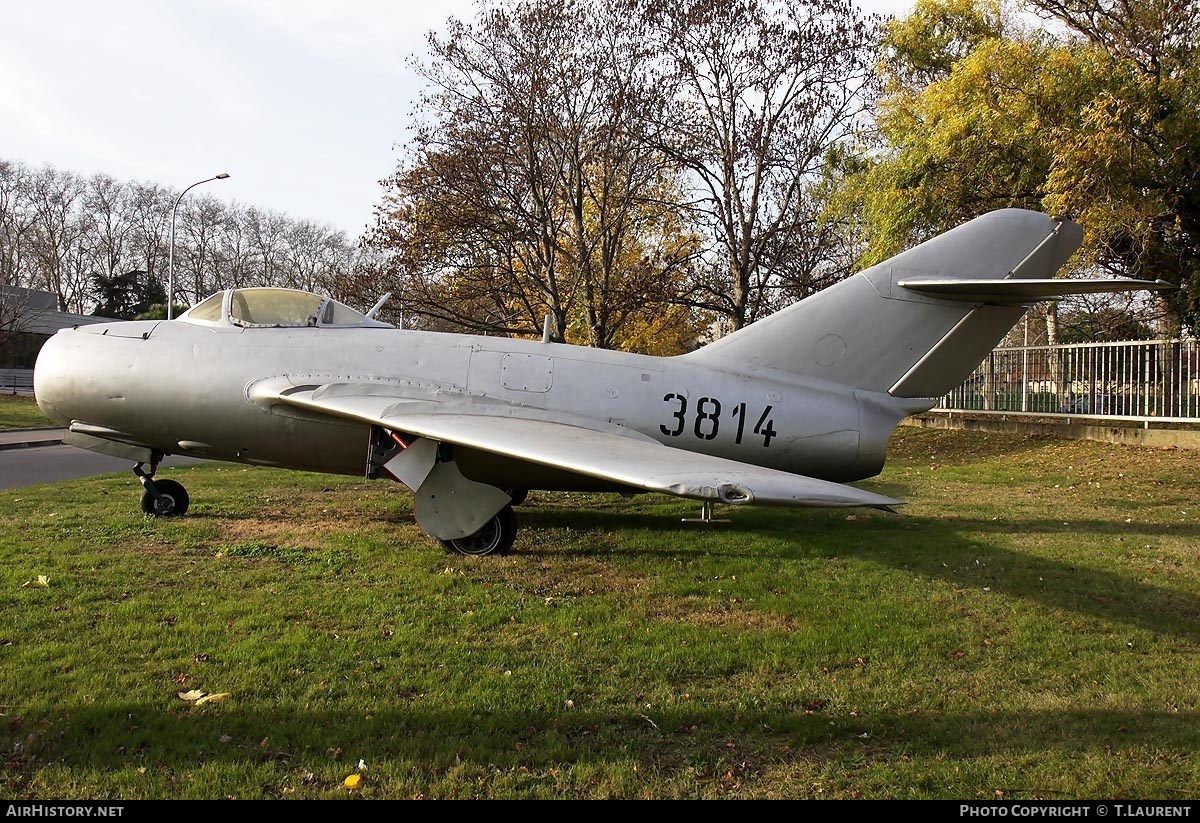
{"x":587,"y":447}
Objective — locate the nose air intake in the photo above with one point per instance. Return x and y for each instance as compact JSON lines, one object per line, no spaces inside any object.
{"x":51,"y":379}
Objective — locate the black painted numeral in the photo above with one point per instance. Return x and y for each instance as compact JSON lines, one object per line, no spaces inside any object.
{"x":765,"y":426}
{"x":739,"y":411}
{"x":706,"y":423}
{"x":708,"y":414}
{"x":679,"y":415}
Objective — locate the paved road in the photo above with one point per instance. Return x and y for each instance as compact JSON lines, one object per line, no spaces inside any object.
{"x":38,"y":456}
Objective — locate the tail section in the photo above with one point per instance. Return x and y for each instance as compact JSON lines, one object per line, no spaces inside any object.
{"x":917,"y":325}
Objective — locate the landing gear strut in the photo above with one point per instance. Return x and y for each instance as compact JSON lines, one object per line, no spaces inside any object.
{"x":706,"y":515}
{"x":161,"y":498}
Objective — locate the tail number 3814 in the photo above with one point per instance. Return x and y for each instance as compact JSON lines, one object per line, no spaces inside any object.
{"x":706,"y":419}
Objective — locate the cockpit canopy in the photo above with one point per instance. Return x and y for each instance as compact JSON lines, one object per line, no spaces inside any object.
{"x":265,"y":307}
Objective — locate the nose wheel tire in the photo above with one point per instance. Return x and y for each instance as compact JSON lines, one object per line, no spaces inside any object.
{"x":496,"y":536}
{"x":172,"y":500}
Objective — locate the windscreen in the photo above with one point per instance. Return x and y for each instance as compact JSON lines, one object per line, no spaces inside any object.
{"x":278,"y":308}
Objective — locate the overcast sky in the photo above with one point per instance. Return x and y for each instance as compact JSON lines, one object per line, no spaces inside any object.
{"x":301,"y":102}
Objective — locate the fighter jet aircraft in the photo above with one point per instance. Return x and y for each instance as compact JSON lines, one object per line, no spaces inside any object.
{"x":785,"y":411}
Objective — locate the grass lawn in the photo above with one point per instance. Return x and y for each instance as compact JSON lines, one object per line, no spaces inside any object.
{"x":20,"y":412}
{"x":1028,"y":627}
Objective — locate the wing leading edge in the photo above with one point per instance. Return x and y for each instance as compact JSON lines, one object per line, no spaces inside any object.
{"x":590,"y":448}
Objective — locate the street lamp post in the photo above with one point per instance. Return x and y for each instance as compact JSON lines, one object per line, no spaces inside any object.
{"x":171,"y":248}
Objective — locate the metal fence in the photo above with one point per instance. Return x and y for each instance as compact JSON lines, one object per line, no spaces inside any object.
{"x":1144,"y":379}
{"x":16,"y":381}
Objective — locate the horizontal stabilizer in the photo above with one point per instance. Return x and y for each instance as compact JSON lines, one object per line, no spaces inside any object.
{"x":1016,"y":291}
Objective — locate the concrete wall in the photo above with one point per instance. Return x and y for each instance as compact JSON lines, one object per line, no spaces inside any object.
{"x":1130,"y":433}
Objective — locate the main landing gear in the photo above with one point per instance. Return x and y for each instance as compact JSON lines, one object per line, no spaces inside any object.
{"x":161,"y":498}
{"x":495,"y":537}
{"x":463,"y":515}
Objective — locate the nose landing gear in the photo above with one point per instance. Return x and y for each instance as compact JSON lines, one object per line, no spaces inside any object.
{"x":161,"y":498}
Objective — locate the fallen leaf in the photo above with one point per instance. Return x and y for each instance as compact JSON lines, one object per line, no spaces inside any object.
{"x":353,"y":781}
{"x":213,"y":698}
{"x":194,"y":694}
{"x":41,"y":580}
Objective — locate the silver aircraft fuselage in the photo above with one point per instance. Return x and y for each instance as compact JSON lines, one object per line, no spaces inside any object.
{"x":785,"y":411}
{"x":181,"y":388}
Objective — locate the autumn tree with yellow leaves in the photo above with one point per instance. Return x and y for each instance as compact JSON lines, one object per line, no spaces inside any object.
{"x":1085,"y":108}
{"x":533,"y":186}
{"x":632,"y":170}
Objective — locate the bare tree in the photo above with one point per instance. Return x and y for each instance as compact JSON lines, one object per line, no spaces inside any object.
{"x":267,"y":232}
{"x":236,"y":266}
{"x":532,"y":186}
{"x":475,"y":216}
{"x":150,"y":213}
{"x":57,"y":237}
{"x":197,"y":247}
{"x":16,"y":221}
{"x":763,"y":90}
{"x":108,"y":225}
{"x":306,"y":255}
{"x":624,"y":236}
{"x":100,"y":243}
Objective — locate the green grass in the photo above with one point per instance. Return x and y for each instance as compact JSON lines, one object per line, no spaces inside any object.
{"x":1028,"y":628}
{"x":19,"y":412}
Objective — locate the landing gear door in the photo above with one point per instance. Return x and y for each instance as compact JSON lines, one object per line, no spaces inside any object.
{"x":125,"y":451}
{"x":448,"y":506}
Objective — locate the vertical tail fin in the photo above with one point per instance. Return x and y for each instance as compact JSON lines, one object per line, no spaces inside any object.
{"x":918,"y":324}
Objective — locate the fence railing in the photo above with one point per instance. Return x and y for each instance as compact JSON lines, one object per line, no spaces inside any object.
{"x":1141,"y":379}
{"x":16,"y":381}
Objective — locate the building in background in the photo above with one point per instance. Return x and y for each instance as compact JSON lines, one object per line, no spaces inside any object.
{"x":27,"y":319}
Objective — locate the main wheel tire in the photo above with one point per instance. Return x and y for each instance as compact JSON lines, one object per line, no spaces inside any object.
{"x":518,"y":496}
{"x":172,"y":500}
{"x":496,"y":536}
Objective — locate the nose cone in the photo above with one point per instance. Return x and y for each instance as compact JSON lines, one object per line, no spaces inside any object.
{"x":51,"y":378}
